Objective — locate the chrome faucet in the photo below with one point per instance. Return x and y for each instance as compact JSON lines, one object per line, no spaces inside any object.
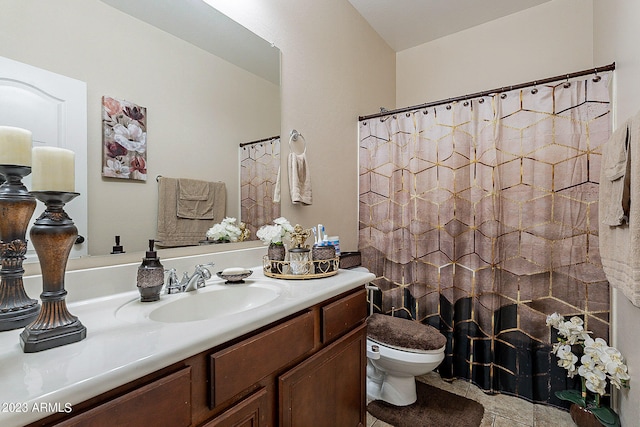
{"x":197,"y":279}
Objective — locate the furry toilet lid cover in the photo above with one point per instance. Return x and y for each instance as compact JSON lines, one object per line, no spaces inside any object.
{"x":403,"y":333}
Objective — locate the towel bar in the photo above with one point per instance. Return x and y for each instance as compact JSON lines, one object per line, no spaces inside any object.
{"x":294,"y":137}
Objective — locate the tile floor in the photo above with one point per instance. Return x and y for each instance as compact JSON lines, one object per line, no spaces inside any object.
{"x":499,"y":410}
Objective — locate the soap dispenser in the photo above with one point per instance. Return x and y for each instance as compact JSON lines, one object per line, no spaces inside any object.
{"x":117,"y":249}
{"x":150,"y":276}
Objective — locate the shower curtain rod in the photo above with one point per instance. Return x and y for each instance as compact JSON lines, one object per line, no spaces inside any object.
{"x":609,"y":67}
{"x":271,"y":138}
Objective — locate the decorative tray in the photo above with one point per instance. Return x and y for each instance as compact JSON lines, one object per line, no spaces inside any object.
{"x":300,"y":270}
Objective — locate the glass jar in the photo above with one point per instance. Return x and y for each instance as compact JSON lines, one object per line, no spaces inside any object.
{"x":299,"y":261}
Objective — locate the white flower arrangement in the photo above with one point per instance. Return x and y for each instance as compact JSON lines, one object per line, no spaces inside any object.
{"x":276,"y":233}
{"x":598,"y":363}
{"x":227,"y":230}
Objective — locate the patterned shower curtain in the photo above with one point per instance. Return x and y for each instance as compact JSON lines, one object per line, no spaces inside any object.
{"x":259,"y":169}
{"x":480,"y":218}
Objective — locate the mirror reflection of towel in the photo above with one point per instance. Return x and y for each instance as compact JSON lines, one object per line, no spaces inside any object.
{"x":195,"y":199}
{"x":299,"y":179}
{"x":176,"y":231}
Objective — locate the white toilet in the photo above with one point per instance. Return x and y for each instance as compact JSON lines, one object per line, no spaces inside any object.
{"x":398,"y":350}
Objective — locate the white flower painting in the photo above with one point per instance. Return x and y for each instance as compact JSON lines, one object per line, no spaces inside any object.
{"x":124,"y":140}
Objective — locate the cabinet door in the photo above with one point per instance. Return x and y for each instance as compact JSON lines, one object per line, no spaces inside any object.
{"x":327,"y":389}
{"x":251,"y":412}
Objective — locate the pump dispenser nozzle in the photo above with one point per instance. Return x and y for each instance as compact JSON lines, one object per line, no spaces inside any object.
{"x":151,"y":253}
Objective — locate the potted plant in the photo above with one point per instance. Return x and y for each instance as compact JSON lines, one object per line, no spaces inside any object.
{"x":225,"y":231}
{"x":597,"y":365}
{"x":273,"y":235}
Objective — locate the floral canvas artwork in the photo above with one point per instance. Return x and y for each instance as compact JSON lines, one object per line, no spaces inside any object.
{"x":124,"y":139}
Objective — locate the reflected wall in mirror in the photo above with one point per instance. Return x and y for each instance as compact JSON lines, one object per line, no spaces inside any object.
{"x":200,"y":105}
{"x":259,"y":183}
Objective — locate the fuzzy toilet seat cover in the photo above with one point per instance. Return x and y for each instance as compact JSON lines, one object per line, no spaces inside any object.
{"x":405,"y":334}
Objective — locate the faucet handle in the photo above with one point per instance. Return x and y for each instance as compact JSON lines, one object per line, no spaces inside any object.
{"x":173,"y":286}
{"x":204,"y":270}
{"x":184,"y":281}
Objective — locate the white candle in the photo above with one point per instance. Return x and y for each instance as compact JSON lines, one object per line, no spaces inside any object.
{"x":15,"y":146}
{"x":53,"y":169}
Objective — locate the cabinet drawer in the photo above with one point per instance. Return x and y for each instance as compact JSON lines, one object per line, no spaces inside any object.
{"x":341,"y":316}
{"x":164,"y":402}
{"x":238,"y":367}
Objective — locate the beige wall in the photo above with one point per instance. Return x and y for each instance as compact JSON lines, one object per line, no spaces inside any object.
{"x":616,"y":35}
{"x":199,"y":106}
{"x":334,"y":68}
{"x":548,"y":40}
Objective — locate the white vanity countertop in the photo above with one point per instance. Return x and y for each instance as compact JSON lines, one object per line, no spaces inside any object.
{"x":118,"y":351}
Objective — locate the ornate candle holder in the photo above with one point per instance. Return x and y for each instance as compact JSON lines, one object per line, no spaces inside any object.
{"x":53,"y":235}
{"x":16,"y":208}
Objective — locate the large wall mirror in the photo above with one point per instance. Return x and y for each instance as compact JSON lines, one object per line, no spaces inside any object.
{"x":207,"y":83}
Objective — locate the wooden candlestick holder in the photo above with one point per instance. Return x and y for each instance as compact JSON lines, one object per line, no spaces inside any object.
{"x":53,"y":235}
{"x":16,"y":208}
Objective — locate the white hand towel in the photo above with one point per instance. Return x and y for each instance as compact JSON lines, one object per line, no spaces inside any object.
{"x":299,"y":179}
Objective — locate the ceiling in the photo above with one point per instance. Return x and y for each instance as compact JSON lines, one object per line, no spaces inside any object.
{"x":401,"y":23}
{"x":408,"y":23}
{"x":200,"y":24}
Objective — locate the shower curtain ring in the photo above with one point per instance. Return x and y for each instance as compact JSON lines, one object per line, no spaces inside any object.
{"x":567,"y":84}
{"x":596,"y":78}
{"x":535,"y":89}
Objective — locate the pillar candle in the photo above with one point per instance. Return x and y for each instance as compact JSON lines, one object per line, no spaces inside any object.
{"x":53,"y":169}
{"x":15,"y":146}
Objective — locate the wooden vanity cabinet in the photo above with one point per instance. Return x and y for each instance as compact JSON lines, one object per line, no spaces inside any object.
{"x":317,"y":376}
{"x":306,"y":370}
{"x":327,"y":389}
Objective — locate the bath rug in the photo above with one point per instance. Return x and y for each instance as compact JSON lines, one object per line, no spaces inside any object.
{"x":434,"y":408}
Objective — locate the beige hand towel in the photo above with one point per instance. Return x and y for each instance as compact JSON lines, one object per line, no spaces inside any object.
{"x":299,"y":179}
{"x":614,"y":172}
{"x":196,"y":199}
{"x":175,"y":231}
{"x":620,"y":245}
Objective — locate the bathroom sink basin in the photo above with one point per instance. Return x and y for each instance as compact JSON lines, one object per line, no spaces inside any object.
{"x":206,"y":303}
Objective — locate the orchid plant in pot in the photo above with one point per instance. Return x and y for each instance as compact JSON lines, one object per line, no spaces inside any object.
{"x":597,"y":365}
